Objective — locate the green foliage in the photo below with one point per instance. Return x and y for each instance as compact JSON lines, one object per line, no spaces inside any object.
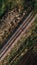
{"x":36,"y":5}
{"x":10,"y":4}
{"x":2,"y":7}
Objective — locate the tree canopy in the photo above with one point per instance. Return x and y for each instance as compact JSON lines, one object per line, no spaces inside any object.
{"x":8,"y":4}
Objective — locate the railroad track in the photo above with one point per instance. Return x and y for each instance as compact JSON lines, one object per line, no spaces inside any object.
{"x":17,"y":33}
